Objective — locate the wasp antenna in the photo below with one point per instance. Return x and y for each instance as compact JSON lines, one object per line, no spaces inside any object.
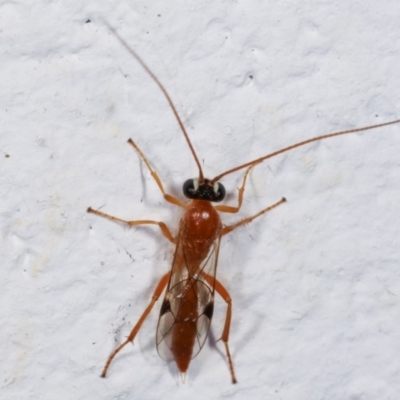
{"x":303,"y":143}
{"x":162,"y":88}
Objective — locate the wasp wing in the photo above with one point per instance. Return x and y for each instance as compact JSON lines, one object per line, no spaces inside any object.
{"x":189,"y":302}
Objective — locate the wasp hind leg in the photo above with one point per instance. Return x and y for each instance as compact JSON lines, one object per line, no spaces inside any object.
{"x":225,"y":333}
{"x":157,"y":292}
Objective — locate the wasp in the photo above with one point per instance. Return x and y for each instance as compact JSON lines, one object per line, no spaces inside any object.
{"x":187,"y":309}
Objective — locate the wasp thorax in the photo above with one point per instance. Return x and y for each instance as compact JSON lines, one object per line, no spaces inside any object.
{"x":206,"y":190}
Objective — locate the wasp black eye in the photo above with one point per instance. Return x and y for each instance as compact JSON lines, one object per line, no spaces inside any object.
{"x":206,"y":190}
{"x":190,"y":188}
{"x":219,"y":191}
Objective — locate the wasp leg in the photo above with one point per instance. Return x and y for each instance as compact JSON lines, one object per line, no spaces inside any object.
{"x":167,"y":197}
{"x":230,"y":228}
{"x":225,"y":333}
{"x":164,"y":228}
{"x":231,"y":209}
{"x":159,"y":289}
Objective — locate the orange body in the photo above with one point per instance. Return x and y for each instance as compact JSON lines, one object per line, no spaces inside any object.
{"x":199,"y":227}
{"x":188,"y":301}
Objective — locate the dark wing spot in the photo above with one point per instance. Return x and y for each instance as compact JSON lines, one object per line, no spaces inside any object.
{"x":165,"y":307}
{"x":208,"y":310}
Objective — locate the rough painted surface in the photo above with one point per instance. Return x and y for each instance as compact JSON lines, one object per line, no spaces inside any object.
{"x":315,"y":284}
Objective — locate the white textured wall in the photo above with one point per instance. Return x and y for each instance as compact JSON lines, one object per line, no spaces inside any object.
{"x":315,"y":284}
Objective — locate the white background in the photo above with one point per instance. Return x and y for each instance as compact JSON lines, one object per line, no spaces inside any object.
{"x":315,"y":283}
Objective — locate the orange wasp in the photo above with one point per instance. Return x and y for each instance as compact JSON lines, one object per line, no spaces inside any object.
{"x":187,"y":308}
